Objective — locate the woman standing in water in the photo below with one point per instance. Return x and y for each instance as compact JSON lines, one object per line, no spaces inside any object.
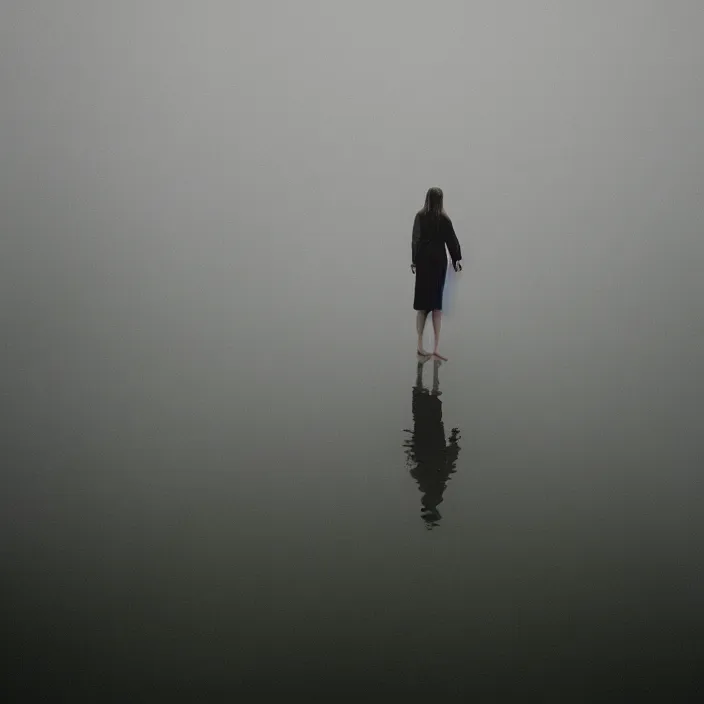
{"x":432,"y":232}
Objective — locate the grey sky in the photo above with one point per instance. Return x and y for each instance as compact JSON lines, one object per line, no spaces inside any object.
{"x":145,"y":139}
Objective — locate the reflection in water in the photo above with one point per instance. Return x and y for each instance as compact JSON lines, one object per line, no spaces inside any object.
{"x":431,"y":458}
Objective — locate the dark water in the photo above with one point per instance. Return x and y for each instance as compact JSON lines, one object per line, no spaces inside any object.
{"x":193,"y":511}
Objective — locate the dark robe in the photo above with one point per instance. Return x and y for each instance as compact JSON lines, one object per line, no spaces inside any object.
{"x":432,"y":234}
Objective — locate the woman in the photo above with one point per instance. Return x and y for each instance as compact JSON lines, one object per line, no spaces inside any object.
{"x":432,"y":232}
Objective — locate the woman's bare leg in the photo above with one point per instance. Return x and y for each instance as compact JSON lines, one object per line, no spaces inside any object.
{"x":437,"y":321}
{"x":421,"y":317}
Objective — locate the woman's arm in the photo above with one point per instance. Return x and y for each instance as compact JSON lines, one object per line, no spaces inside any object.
{"x":415,"y":240}
{"x":453,"y":244}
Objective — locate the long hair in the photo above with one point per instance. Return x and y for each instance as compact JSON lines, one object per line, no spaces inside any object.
{"x":434,"y":202}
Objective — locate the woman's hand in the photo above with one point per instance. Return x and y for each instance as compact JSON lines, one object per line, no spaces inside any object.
{"x":413,"y":268}
{"x":457,"y":266}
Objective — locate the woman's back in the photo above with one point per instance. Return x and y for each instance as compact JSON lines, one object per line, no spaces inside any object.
{"x":433,"y":225}
{"x":434,"y":232}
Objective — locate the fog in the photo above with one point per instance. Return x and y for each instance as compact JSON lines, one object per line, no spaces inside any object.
{"x":208,"y":334}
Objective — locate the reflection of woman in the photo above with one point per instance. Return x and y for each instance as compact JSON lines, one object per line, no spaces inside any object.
{"x":432,"y":233}
{"x":432,"y":460}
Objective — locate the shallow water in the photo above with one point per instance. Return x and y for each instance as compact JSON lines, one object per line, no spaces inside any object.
{"x":210,"y":513}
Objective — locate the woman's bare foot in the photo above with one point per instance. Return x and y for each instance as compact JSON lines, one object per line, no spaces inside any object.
{"x":422,"y":353}
{"x":437,"y":355}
